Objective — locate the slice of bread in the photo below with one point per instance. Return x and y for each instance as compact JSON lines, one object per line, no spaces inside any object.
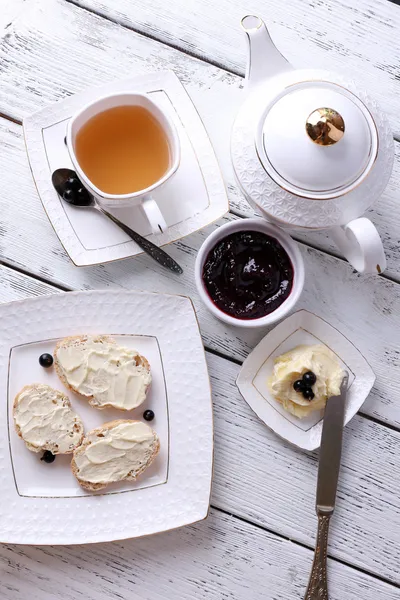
{"x":108,"y":375}
{"x":117,"y":451}
{"x":44,"y":419}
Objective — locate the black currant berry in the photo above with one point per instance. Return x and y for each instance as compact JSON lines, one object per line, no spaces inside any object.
{"x":148,"y":415}
{"x":298,"y":385}
{"x":48,"y":457}
{"x":45,"y":360}
{"x":309,"y":378}
{"x":308,"y":394}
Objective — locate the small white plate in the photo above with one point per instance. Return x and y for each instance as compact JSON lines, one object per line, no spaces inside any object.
{"x":43,"y":503}
{"x":193,"y":198}
{"x":302,"y":327}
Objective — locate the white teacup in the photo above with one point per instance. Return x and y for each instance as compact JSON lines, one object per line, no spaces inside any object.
{"x":141,"y":197}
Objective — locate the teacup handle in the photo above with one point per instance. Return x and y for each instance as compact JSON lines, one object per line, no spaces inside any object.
{"x":360,"y":242}
{"x":153,"y":214}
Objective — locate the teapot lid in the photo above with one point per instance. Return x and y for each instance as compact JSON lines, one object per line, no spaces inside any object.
{"x":317,"y":140}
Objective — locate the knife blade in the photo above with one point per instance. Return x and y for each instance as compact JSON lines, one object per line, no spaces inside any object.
{"x":331,"y":450}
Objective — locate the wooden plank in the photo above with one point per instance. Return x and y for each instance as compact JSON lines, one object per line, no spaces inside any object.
{"x":364,"y":308}
{"x":17,"y":286}
{"x":53,"y":50}
{"x":358,"y":39}
{"x":9,"y":12}
{"x":221,"y":558}
{"x":267,"y":481}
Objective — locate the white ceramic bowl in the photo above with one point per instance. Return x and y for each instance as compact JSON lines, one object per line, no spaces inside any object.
{"x":288,"y":244}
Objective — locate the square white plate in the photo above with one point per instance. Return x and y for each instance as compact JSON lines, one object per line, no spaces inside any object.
{"x":43,"y":503}
{"x":193,"y":198}
{"x":302,"y":327}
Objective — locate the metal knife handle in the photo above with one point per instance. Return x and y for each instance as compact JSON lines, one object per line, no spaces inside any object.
{"x":154,"y":251}
{"x":318,"y":584}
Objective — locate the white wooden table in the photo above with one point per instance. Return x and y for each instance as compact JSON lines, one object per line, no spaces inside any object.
{"x":258,"y":539}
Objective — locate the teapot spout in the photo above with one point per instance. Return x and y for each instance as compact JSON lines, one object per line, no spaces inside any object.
{"x":264,"y":59}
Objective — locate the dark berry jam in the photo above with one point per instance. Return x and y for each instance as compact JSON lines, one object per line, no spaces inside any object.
{"x":248,"y":274}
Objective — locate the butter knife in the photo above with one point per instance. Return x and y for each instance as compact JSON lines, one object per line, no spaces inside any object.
{"x":328,"y":474}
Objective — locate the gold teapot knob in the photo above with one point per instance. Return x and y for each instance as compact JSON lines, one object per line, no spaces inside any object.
{"x":325,"y":126}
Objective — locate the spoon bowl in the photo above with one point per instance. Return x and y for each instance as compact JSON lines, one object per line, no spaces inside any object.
{"x":69,"y":187}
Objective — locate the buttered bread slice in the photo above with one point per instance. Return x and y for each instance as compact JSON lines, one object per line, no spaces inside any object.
{"x":107,"y":374}
{"x":119,"y":450}
{"x":44,"y":419}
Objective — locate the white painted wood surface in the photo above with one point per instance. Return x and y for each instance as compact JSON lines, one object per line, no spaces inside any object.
{"x":359,"y":39}
{"x":219,"y":559}
{"x":53,"y":48}
{"x":268,"y":482}
{"x":9,"y":12}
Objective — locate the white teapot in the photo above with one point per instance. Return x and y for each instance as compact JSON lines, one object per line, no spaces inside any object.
{"x":311,"y":150}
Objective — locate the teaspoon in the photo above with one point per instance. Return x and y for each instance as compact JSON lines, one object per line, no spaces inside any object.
{"x":69,"y":187}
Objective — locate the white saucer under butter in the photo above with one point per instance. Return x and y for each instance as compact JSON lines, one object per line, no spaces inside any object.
{"x":302,"y":327}
{"x":193,"y":198}
{"x":43,"y":503}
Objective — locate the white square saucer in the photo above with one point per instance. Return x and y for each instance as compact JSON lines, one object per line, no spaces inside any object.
{"x":192,"y":199}
{"x":302,"y":327}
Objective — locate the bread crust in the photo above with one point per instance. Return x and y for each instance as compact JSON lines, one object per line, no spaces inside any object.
{"x":93,"y":487}
{"x":48,"y":446}
{"x":77,"y":339}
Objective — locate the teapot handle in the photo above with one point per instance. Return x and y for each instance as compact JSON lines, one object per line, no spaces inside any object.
{"x":361,"y":244}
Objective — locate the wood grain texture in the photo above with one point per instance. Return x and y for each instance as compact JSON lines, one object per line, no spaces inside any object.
{"x":17,"y":286}
{"x":27,"y":241}
{"x":257,"y":476}
{"x":9,"y":12}
{"x":218,"y":559}
{"x":54,"y":49}
{"x":268,"y":481}
{"x":277,"y":489}
{"x":357,"y":39}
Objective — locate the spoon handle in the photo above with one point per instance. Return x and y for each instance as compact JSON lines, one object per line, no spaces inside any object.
{"x":318,"y":584}
{"x":154,"y":251}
